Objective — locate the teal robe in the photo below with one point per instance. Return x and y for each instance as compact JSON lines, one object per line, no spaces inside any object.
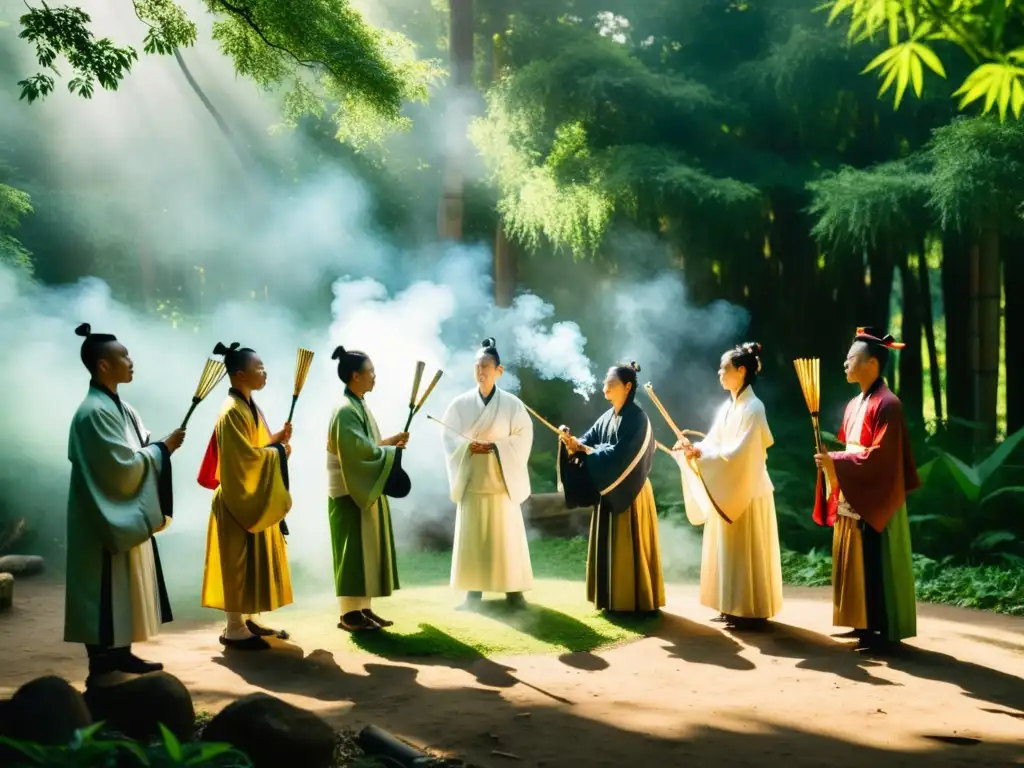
{"x":358,"y":469}
{"x":119,"y":496}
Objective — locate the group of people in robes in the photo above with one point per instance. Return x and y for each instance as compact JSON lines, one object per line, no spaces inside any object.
{"x":120,"y":497}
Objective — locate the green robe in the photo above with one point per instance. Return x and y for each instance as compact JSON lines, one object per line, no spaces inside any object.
{"x":360,"y":517}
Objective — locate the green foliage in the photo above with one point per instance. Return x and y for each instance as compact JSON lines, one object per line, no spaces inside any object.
{"x":14,"y":204}
{"x":972,"y":480}
{"x":90,"y":748}
{"x":978,"y":173}
{"x":859,"y":208}
{"x":320,"y":51}
{"x":988,"y":31}
{"x":989,"y":588}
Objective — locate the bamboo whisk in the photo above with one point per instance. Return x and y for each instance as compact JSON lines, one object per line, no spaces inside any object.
{"x":303,"y":360}
{"x":213,"y":372}
{"x":808,"y":371}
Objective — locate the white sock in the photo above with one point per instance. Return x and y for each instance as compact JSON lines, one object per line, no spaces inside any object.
{"x":349,"y":604}
{"x":236,"y":629}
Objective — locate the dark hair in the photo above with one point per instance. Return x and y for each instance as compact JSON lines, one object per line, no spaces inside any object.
{"x":349,"y":363}
{"x":626,"y":373}
{"x":878,"y":345}
{"x":94,"y":346}
{"x":235,"y":356}
{"x":748,"y":355}
{"x":489,"y":347}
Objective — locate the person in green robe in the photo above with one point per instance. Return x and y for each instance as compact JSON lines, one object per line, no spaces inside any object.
{"x":119,"y":497}
{"x":362,"y":471}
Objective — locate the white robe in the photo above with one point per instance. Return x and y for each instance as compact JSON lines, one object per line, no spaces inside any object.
{"x":490,"y":553}
{"x":114,"y":509}
{"x":729,"y":492}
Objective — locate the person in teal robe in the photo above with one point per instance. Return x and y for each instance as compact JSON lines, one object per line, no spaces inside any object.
{"x":607,"y":469}
{"x":362,"y":471}
{"x":119,"y":497}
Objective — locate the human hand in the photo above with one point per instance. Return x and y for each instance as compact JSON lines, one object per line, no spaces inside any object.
{"x":174,"y":440}
{"x":476,"y":447}
{"x":824,"y":461}
{"x":693,"y":452}
{"x":287,"y":450}
{"x":286,"y":432}
{"x":681,"y":444}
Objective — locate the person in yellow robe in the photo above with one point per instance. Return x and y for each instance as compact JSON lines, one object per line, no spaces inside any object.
{"x":726,"y":489}
{"x":246,"y":561}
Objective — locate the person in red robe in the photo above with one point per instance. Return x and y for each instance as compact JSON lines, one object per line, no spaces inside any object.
{"x":865,"y":502}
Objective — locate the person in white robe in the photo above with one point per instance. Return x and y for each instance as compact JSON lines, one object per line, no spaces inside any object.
{"x":726,"y":488}
{"x":487,"y":445}
{"x":119,"y":497}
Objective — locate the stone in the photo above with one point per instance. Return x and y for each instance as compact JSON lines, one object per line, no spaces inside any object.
{"x":273,"y":733}
{"x":6,"y":591}
{"x":135,"y":706}
{"x":47,"y":710}
{"x":21,"y":565}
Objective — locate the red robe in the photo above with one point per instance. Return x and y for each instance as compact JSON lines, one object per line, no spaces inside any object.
{"x":877,"y":479}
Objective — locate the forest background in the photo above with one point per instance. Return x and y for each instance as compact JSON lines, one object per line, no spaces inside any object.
{"x":738,"y":146}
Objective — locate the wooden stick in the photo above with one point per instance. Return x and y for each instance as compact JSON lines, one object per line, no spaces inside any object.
{"x":451,"y":429}
{"x":544,"y":421}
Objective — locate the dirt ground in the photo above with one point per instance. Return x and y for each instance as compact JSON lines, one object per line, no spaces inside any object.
{"x":693,"y":694}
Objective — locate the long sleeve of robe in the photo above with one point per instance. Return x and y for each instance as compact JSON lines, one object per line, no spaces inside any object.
{"x":490,"y":550}
{"x":246,"y":559}
{"x":119,"y":497}
{"x":358,"y":468}
{"x":728,"y":490}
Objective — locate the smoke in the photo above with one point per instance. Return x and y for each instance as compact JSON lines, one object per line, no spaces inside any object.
{"x":145,"y":171}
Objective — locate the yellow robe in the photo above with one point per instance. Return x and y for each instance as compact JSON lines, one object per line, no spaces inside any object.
{"x":246,"y":560}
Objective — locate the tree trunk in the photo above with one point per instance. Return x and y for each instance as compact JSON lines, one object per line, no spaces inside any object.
{"x":506,"y":255}
{"x":460,"y":50}
{"x":911,"y":376}
{"x":880,"y":262}
{"x":956,"y":278}
{"x":986,"y":293}
{"x":928,"y":321}
{"x":240,"y":153}
{"x":1013,"y":275}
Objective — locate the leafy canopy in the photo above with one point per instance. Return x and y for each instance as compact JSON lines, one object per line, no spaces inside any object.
{"x":990,"y":32}
{"x":320,"y":50}
{"x":14,"y":204}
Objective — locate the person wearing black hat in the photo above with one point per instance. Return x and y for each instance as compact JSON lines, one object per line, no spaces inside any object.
{"x":246,"y":466}
{"x":119,"y":497}
{"x":362,"y":471}
{"x":867,"y":487}
{"x":607,"y":469}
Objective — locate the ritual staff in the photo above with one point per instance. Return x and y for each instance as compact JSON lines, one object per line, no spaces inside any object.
{"x":726,"y":489}
{"x":867,"y":485}
{"x":120,"y":495}
{"x":607,"y":469}
{"x":247,"y":467}
{"x":489,"y":480}
{"x":362,"y":470}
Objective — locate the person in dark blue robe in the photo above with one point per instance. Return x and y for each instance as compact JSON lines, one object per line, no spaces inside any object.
{"x":607,"y":469}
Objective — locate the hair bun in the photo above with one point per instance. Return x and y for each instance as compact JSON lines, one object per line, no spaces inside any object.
{"x":752,"y":347}
{"x":635,"y":366}
{"x":339,"y":352}
{"x":84,"y":330}
{"x":488,"y":342}
{"x":220,"y":349}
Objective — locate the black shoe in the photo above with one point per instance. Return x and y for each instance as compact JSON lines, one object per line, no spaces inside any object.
{"x":473,"y":601}
{"x":515,"y":599}
{"x":251,"y":643}
{"x":259,"y":631}
{"x":377,"y":619}
{"x":357,"y":621}
{"x":133,"y":665}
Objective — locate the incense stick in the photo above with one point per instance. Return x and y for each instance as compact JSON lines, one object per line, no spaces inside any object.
{"x":423,"y":399}
{"x":544,"y":421}
{"x":451,"y":429}
{"x":213,"y":372}
{"x":649,"y":388}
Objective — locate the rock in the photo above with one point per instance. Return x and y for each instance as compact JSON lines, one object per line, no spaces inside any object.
{"x":137,"y":705}
{"x":6,"y":591}
{"x":21,"y":565}
{"x":273,"y":733}
{"x":47,"y":710}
